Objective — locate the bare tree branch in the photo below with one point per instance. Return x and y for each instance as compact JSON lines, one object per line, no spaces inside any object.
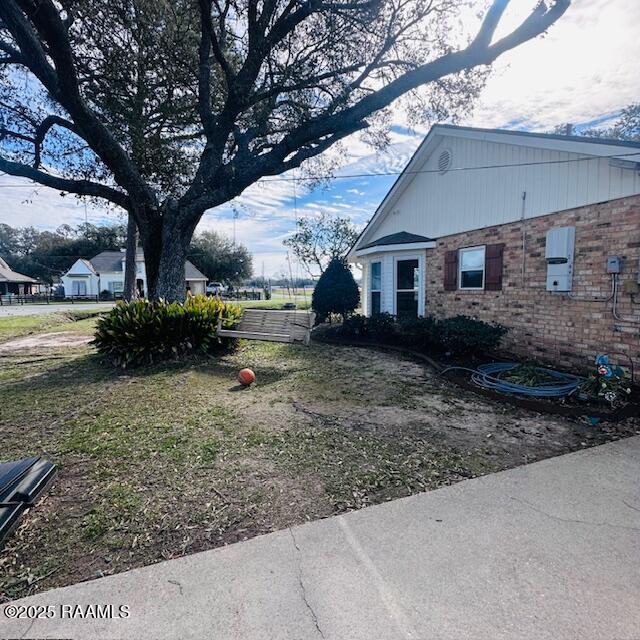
{"x":41,"y":132}
{"x":62,"y":83}
{"x":80,"y":187}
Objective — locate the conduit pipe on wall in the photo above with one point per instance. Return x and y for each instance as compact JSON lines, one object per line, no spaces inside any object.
{"x":614,"y":309}
{"x":609,"y":297}
{"x":524,"y":237}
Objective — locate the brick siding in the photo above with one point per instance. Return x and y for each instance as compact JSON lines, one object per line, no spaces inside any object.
{"x":557,"y":328}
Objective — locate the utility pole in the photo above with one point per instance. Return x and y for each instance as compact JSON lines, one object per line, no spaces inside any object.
{"x":291,"y":274}
{"x":235,"y":217}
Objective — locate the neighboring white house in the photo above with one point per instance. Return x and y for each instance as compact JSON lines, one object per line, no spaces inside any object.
{"x":105,"y":272}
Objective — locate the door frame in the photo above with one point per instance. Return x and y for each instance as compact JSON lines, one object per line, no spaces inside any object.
{"x":421,"y":258}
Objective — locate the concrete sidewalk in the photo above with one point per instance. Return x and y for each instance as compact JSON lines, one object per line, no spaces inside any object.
{"x":546,"y":551}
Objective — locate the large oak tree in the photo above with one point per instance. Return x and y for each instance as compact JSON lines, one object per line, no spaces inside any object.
{"x":169,"y":108}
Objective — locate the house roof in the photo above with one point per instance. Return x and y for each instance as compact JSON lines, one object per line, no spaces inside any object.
{"x":107,"y":261}
{"x":634,"y":144}
{"x":111,"y":262}
{"x":191,"y":273}
{"x":402,"y":237}
{"x":8,"y":275}
{"x":589,"y":146}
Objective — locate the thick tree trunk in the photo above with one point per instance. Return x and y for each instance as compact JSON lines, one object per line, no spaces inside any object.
{"x":130,"y":290}
{"x":165,"y":243}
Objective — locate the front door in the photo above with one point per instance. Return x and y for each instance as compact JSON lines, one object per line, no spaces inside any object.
{"x":407,"y":288}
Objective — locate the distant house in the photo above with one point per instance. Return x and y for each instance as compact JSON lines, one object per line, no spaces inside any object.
{"x":12,"y":282}
{"x":105,"y":272}
{"x":537,"y":232}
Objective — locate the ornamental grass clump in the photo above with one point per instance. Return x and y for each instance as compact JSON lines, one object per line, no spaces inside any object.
{"x":142,"y":332}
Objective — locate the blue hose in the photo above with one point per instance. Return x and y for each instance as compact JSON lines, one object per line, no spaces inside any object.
{"x":487,"y":376}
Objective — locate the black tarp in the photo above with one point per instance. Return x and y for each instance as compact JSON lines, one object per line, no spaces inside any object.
{"x":21,"y":483}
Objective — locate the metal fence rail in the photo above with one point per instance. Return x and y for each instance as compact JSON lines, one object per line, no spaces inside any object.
{"x":42,"y":298}
{"x":244,"y":294}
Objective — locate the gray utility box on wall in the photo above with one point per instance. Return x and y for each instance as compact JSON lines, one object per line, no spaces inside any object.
{"x":614,"y":264}
{"x":559,"y":256}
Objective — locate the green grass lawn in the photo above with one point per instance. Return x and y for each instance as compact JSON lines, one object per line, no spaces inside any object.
{"x":277,"y":302}
{"x":15,"y":326}
{"x":159,"y":462}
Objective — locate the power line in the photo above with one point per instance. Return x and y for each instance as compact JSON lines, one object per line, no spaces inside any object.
{"x":419,"y":171}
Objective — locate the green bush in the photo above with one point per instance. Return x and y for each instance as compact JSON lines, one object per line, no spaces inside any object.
{"x":142,"y":332}
{"x":355,"y":326}
{"x":381,"y":326}
{"x":419,"y":333}
{"x":336,"y":291}
{"x":465,"y":335}
{"x":459,"y":335}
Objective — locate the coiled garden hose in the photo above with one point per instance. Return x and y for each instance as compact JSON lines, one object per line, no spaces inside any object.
{"x":487,"y":376}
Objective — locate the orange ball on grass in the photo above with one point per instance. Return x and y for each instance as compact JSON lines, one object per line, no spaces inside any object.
{"x":246,"y":377}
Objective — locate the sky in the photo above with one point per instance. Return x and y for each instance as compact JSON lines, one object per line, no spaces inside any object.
{"x":583,"y":71}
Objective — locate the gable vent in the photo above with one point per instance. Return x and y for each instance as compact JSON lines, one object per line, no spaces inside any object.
{"x":444,"y":161}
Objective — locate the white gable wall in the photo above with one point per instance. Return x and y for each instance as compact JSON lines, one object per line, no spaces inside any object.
{"x":90,"y":288}
{"x":80,"y":267}
{"x":436,"y":205}
{"x":85,"y":278}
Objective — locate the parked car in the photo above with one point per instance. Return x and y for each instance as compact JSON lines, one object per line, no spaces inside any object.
{"x":215,"y":288}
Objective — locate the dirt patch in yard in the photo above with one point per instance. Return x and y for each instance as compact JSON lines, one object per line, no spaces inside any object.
{"x":160,"y":462}
{"x":56,"y":340}
{"x":388,"y":395}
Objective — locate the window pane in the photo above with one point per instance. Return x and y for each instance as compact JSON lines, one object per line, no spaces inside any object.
{"x":472,"y":259}
{"x":471,"y":279}
{"x":407,"y":274}
{"x":375,"y":302}
{"x":376,"y":276}
{"x":407,"y":304}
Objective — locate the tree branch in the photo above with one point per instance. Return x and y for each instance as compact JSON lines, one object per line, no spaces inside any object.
{"x":490,"y":24}
{"x":62,"y":84}
{"x":354,"y":116}
{"x":41,"y":132}
{"x":80,"y":187}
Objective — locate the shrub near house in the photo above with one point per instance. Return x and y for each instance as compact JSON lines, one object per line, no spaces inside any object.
{"x":143,"y":332}
{"x":460,"y":335}
{"x":336,"y":291}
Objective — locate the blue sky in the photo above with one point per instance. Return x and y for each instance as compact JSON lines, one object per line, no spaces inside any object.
{"x":583,"y":71}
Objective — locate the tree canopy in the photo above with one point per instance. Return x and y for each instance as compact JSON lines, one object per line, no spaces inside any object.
{"x":169,"y":108}
{"x":626,"y":127}
{"x":220,"y":259}
{"x":45,"y":255}
{"x":319,"y":239}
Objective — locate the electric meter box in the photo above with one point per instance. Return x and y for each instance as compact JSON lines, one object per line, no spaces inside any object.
{"x":559,"y":256}
{"x":614,"y":264}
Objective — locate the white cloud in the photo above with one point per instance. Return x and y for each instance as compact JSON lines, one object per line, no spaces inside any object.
{"x":581,"y":70}
{"x":24,"y":204}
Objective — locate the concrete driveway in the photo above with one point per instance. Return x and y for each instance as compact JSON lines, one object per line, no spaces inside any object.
{"x":7,"y":311}
{"x":546,"y":551}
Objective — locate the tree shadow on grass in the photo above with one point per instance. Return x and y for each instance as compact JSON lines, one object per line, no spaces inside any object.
{"x":71,"y":377}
